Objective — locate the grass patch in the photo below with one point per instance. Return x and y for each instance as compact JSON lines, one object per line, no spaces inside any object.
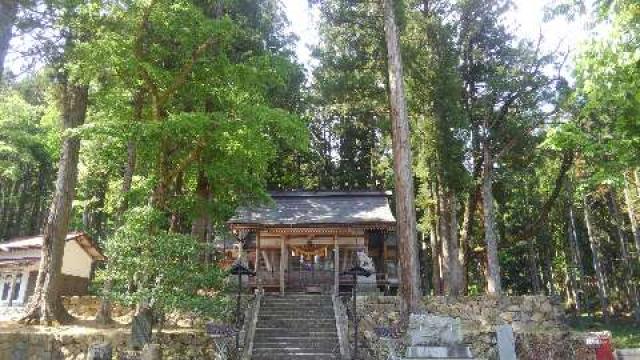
{"x":625,"y":333}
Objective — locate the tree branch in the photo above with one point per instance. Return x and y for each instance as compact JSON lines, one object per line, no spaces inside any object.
{"x":533,"y":227}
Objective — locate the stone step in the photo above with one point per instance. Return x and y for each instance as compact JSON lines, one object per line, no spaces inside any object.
{"x":301,"y":314}
{"x":295,"y":327}
{"x":296,"y":323}
{"x":294,"y":357}
{"x":298,"y":301}
{"x":292,"y":354}
{"x":271,"y":335}
{"x":296,"y":348}
{"x":311,"y":343}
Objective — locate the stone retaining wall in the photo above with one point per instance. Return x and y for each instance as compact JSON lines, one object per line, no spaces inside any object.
{"x":87,"y":306}
{"x":65,"y":345}
{"x":537,"y":322}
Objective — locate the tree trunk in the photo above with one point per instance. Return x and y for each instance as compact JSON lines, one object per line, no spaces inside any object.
{"x":632,"y":290}
{"x":595,"y":250}
{"x":8,"y":13}
{"x":494,"y":285}
{"x":532,"y":262}
{"x":631,"y":211}
{"x":444,"y":235}
{"x":575,"y":272}
{"x":405,"y":209}
{"x":435,"y":245}
{"x":45,"y":305}
{"x":448,"y":235}
{"x":547,"y":265}
{"x":199,"y":226}
{"x":36,"y":211}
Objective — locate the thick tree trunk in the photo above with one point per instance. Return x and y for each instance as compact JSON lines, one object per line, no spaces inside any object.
{"x":631,"y":211}
{"x":444,"y":235}
{"x":46,"y":306}
{"x":8,"y":13}
{"x":597,"y":266}
{"x":435,"y":244}
{"x":494,"y":283}
{"x":632,"y":290}
{"x":403,"y":176}
{"x":467,"y":227}
{"x":452,"y":265}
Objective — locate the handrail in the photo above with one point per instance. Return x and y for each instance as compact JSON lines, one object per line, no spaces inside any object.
{"x":341,"y":326}
{"x":250,"y":327}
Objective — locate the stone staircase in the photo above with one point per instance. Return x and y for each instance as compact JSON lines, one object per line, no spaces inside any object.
{"x":296,"y":326}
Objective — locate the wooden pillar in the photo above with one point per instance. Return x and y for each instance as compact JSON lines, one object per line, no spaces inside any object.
{"x":12,"y":289}
{"x":283,"y":261}
{"x":336,"y":266}
{"x":258,"y":280}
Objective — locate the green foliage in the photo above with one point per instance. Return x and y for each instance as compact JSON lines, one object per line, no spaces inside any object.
{"x":161,"y":267}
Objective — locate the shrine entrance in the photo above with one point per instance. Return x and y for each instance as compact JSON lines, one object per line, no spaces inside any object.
{"x":311,"y":268}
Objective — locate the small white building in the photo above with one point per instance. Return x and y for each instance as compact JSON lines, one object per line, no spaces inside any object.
{"x":20,"y":260}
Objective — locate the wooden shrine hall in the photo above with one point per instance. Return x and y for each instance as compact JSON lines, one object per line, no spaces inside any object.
{"x":303,"y":241}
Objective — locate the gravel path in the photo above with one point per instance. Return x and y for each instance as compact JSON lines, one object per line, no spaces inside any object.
{"x":10,"y":313}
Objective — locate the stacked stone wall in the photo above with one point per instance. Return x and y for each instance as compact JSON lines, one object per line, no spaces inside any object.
{"x":537,"y":321}
{"x":35,"y":345}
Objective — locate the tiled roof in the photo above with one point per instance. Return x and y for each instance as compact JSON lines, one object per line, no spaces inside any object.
{"x":35,"y":242}
{"x":316,"y":208}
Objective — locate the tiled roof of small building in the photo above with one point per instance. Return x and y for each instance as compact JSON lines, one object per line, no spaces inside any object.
{"x":297,"y":208}
{"x":35,"y":242}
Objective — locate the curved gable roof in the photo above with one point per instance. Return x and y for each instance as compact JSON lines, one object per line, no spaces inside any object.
{"x":318,"y":208}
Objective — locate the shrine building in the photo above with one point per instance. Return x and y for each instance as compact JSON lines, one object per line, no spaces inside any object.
{"x":304,"y":241}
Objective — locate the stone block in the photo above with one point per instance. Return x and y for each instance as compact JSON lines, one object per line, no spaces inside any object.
{"x":506,"y":343}
{"x":439,"y":352}
{"x":426,"y":329}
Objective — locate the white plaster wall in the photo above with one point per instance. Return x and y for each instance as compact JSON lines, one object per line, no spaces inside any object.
{"x":76,"y":261}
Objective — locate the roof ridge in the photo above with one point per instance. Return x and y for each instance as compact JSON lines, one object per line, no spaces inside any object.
{"x":302,"y":193}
